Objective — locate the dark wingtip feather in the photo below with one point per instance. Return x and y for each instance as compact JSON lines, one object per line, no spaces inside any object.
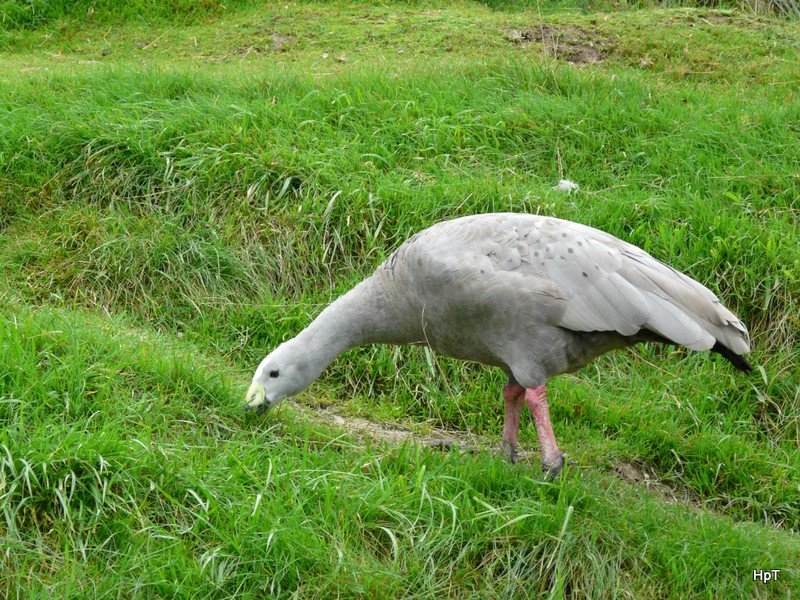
{"x":737,"y":360}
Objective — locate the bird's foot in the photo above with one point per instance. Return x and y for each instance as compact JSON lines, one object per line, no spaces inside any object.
{"x":510,"y":450}
{"x":552,"y":466}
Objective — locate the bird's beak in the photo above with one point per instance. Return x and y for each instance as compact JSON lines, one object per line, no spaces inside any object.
{"x":256,"y":397}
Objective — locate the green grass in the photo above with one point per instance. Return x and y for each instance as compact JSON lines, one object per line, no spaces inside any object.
{"x":178,"y":195}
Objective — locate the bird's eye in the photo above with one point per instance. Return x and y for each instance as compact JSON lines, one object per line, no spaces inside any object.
{"x":273,"y":373}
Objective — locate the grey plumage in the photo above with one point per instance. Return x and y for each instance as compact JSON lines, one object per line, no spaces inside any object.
{"x":540,"y":296}
{"x":535,"y":296}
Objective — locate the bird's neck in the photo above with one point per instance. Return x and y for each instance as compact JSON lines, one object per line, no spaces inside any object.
{"x":355,"y":318}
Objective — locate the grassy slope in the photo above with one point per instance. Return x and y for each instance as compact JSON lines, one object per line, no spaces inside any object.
{"x":220,"y":181}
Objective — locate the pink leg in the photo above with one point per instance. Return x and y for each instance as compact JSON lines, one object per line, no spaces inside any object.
{"x":552,"y":459}
{"x":512,"y":395}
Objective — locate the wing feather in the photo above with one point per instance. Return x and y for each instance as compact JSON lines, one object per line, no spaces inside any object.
{"x":573,"y":276}
{"x":610,"y":285}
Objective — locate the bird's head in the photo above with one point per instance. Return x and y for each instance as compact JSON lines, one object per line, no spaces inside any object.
{"x":280,"y":375}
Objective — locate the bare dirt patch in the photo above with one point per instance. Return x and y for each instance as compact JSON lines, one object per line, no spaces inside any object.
{"x":575,"y":45}
{"x":273,"y":43}
{"x":705,"y":18}
{"x":642,"y":475}
{"x":279,"y":42}
{"x":365,"y":429}
{"x":442,"y":439}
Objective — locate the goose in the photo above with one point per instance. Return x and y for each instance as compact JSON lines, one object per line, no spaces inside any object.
{"x":533,"y":295}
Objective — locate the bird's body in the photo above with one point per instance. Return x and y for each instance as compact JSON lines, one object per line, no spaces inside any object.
{"x":535,"y":296}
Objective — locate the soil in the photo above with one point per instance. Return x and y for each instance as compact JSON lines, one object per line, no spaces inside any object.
{"x":442,"y":439}
{"x":279,"y":41}
{"x":275,"y":43}
{"x":364,"y":429}
{"x":638,"y":474}
{"x":575,"y":45}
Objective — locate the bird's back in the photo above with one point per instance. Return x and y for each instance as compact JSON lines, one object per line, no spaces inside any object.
{"x":542,"y":295}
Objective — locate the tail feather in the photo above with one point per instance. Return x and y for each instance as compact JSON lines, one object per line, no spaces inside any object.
{"x":737,"y":360}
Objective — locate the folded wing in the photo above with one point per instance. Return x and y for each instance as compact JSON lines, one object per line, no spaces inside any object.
{"x":610,"y":285}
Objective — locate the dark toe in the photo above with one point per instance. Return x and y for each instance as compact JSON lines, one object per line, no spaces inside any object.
{"x":509,"y":450}
{"x":553,"y":468}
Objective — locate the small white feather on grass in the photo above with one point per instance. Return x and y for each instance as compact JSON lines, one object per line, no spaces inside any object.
{"x":565,"y":185}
